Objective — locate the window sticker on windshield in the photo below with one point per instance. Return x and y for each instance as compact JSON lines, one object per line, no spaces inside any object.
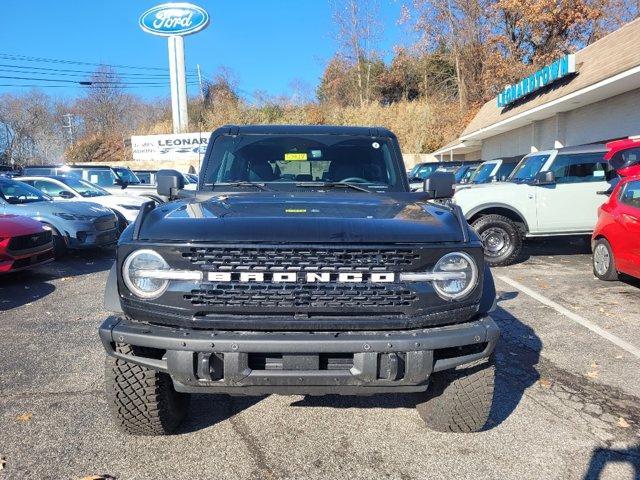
{"x":375,"y":145}
{"x":598,"y":173}
{"x":316,"y":153}
{"x":294,"y":156}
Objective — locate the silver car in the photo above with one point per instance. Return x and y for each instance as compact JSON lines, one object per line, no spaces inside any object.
{"x":75,"y":225}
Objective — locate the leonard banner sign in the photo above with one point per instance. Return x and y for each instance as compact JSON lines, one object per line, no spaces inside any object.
{"x":180,"y":146}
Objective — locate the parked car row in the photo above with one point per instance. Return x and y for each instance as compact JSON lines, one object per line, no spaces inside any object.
{"x":559,"y":192}
{"x":47,"y":210}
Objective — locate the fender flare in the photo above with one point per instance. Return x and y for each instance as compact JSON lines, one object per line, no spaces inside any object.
{"x":111,"y":296}
{"x":488,"y":292}
{"x":485,"y":206}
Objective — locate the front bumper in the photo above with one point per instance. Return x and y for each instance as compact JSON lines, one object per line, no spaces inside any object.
{"x":255,"y":363}
{"x":24,"y":259}
{"x":88,"y":235}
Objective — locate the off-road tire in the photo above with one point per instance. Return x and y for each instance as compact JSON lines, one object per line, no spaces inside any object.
{"x":459,"y":400}
{"x":510,"y":253}
{"x":142,"y":401}
{"x":611,"y":274}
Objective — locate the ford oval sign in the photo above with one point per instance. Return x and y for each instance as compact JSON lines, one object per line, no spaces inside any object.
{"x":174,"y":19}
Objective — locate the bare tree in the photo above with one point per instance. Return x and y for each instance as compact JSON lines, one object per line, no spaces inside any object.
{"x":358,"y":31}
{"x":30,"y":128}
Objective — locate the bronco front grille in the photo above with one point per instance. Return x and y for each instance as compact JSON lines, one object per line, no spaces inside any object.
{"x":301,"y":298}
{"x":302,"y":258}
{"x":25,"y":242}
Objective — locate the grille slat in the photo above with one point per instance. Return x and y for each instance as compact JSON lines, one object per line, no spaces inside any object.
{"x":25,"y":242}
{"x":293,"y":259}
{"x":300,"y":296}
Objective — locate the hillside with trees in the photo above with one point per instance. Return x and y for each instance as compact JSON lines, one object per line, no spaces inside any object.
{"x":458,"y":55}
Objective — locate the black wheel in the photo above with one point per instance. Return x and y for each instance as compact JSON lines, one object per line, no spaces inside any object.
{"x":460,"y":400}
{"x":604,"y":265}
{"x":143,"y":401}
{"x":501,"y":237}
{"x":59,"y":243}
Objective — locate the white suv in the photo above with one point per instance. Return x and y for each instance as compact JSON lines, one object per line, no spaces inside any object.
{"x":554,"y":192}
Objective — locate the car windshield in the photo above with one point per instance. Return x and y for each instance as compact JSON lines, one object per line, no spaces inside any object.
{"x":464,"y":173}
{"x":18,"y":193}
{"x":287,"y":161}
{"x":127,"y":175}
{"x":103,"y":177}
{"x":84,"y":188}
{"x":423,"y":171}
{"x":528,"y":168}
{"x":483,"y":173}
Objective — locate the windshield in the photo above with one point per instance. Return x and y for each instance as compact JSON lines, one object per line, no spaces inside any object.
{"x":19,"y":193}
{"x":126,"y":175}
{"x":423,"y":171}
{"x":483,"y":173}
{"x":282,"y":161}
{"x":83,"y":187}
{"x":528,"y":168}
{"x":103,"y":177}
{"x":464,"y":173}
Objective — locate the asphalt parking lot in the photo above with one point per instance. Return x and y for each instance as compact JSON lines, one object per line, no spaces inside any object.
{"x":567,"y":403}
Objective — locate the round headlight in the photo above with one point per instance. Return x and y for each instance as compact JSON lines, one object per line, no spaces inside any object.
{"x":133,"y":274}
{"x":459,"y":275}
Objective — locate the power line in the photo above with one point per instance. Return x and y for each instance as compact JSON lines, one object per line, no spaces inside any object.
{"x":81,"y":82}
{"x":70,"y":73}
{"x":124,"y":87}
{"x":24,"y":58}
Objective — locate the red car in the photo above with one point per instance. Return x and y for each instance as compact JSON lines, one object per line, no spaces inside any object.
{"x":24,"y":243}
{"x":616,"y":238}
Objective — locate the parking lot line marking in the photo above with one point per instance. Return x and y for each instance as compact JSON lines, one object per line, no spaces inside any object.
{"x":632,"y":349}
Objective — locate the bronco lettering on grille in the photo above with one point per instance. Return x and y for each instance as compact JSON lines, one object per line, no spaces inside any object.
{"x":303,"y":277}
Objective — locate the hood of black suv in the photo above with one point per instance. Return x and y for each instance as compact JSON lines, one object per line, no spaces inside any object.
{"x":304,"y":217}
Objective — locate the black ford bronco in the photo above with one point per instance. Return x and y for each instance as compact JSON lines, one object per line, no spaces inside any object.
{"x":302,"y":265}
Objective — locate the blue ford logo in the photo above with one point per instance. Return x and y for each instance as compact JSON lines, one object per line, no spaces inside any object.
{"x":174,"y":19}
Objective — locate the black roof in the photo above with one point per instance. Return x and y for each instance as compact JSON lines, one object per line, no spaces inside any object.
{"x":589,"y":148}
{"x":306,"y":129}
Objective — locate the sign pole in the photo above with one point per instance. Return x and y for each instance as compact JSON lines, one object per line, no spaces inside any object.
{"x":174,"y":20}
{"x":178,"y":84}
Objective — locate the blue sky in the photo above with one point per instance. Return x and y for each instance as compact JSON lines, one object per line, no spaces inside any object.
{"x":267,"y":44}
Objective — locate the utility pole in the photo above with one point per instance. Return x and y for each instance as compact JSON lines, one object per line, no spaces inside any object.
{"x":200,"y":82}
{"x":69,"y":125}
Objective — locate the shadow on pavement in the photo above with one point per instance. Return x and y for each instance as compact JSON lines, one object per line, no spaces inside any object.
{"x":601,"y":457}
{"x":208,"y":410}
{"x":555,"y":246}
{"x":28,"y":286}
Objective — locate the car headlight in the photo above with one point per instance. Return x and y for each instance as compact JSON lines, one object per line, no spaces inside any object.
{"x":71,"y":216}
{"x":146,"y":274}
{"x":137,"y":280}
{"x":455,"y":275}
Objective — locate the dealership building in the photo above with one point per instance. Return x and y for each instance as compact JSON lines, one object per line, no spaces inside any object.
{"x":590,"y":97}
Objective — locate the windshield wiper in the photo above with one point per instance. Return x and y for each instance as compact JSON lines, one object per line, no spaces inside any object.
{"x":332,"y":185}
{"x":244,"y":183}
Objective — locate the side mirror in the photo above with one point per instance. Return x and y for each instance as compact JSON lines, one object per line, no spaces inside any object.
{"x":66,"y":194}
{"x":545,"y":178}
{"x":493,"y":178}
{"x":169,"y":182}
{"x":605,"y":192}
{"x":121,"y":183}
{"x":440,"y":185}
